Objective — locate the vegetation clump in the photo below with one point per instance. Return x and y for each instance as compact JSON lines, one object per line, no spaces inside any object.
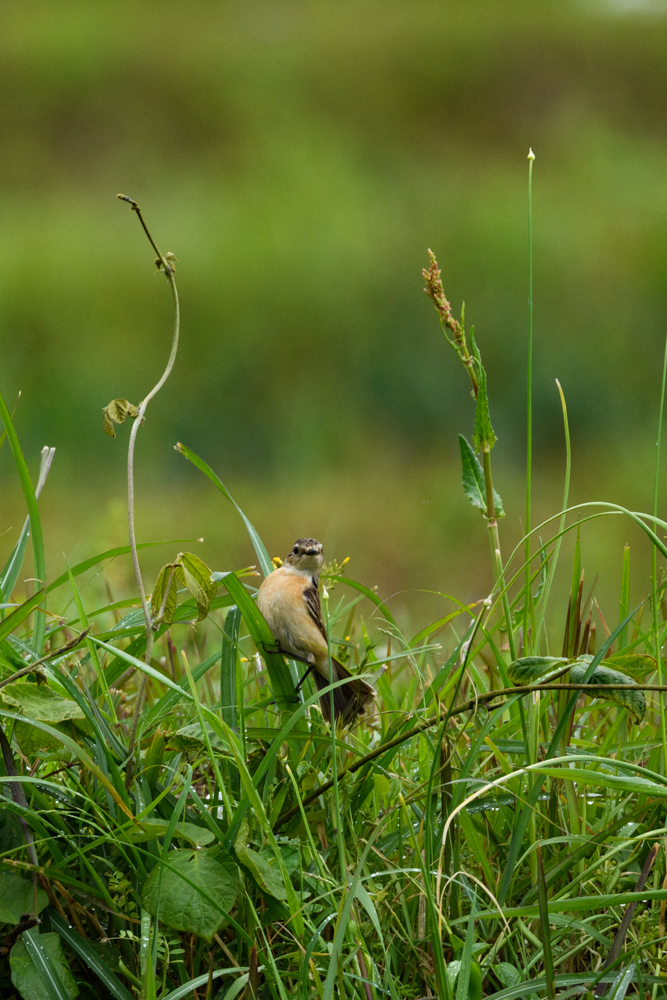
{"x":178,"y":822}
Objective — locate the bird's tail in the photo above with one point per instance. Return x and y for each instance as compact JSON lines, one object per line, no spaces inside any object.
{"x":349,"y":699}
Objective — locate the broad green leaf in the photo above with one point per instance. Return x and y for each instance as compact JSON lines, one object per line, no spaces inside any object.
{"x":89,"y":951}
{"x":16,"y":897}
{"x":37,"y":701}
{"x":529,"y":669}
{"x":638,"y":665}
{"x":474,"y":482}
{"x":507,"y":973}
{"x":40,"y":970}
{"x":182,"y":906}
{"x":198,"y":581}
{"x":165,"y":593}
{"x":36,"y":743}
{"x":191,"y":737}
{"x":483,"y":438}
{"x":266,"y":875}
{"x":633,"y":700}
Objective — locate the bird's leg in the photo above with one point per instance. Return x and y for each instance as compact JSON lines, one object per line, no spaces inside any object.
{"x":277,"y":648}
{"x":300,"y":684}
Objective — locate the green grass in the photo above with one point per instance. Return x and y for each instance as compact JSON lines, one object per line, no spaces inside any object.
{"x":494,"y":828}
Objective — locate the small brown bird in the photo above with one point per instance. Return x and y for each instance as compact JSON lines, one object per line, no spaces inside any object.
{"x":289,"y":599}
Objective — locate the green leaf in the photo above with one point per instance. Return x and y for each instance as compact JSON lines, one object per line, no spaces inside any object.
{"x":116,"y":412}
{"x":37,"y":701}
{"x":282,"y":686}
{"x":120,"y":550}
{"x":528,"y":669}
{"x":258,"y":545}
{"x":634,"y":700}
{"x":148,"y":829}
{"x":198,"y":581}
{"x":507,"y":973}
{"x":265,"y":875}
{"x":474,"y":481}
{"x":182,"y":905}
{"x":16,"y":897}
{"x":88,"y":951}
{"x":165,"y":593}
{"x":483,"y":437}
{"x":35,"y":523}
{"x":638,"y":665}
{"x":191,"y":737}
{"x":229,"y":657}
{"x":39,"y":968}
{"x":12,"y":568}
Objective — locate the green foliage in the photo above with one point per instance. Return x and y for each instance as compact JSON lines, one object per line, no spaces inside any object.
{"x":16,"y":897}
{"x":191,"y":572}
{"x":474,"y":483}
{"x":491,"y":829}
{"x":115,"y":412}
{"x":193,"y":891}
{"x":40,"y":970}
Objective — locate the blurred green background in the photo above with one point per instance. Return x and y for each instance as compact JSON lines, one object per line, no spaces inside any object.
{"x":299,"y":158}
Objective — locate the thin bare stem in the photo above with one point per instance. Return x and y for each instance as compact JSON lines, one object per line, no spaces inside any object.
{"x":168,"y":268}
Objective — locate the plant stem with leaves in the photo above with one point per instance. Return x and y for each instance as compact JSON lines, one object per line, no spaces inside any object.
{"x":477,"y":478}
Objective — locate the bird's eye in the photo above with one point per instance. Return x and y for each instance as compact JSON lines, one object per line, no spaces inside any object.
{"x":295,"y":549}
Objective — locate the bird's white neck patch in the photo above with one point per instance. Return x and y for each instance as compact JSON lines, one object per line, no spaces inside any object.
{"x":305,"y":574}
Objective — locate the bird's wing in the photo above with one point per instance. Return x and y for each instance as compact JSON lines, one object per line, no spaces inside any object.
{"x":311,"y":596}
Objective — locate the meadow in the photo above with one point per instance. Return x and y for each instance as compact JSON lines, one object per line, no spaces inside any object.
{"x":177,"y":822}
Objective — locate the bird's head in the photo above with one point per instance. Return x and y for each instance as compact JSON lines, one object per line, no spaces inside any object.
{"x":306,"y":554}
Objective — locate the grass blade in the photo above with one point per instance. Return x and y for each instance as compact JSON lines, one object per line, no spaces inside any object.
{"x":258,"y":544}
{"x":90,"y":957}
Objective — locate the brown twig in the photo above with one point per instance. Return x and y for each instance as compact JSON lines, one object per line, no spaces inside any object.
{"x":461,"y":709}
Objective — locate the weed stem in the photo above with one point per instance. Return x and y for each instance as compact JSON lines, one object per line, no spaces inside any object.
{"x":168,"y":268}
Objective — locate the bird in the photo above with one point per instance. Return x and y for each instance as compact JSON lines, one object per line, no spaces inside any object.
{"x":289,"y":600}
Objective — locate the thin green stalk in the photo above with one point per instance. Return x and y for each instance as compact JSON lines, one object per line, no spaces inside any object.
{"x":334,"y":758}
{"x":561,"y":530}
{"x":528,"y":599}
{"x":654,"y":564}
{"x":35,"y":524}
{"x":494,"y":538}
